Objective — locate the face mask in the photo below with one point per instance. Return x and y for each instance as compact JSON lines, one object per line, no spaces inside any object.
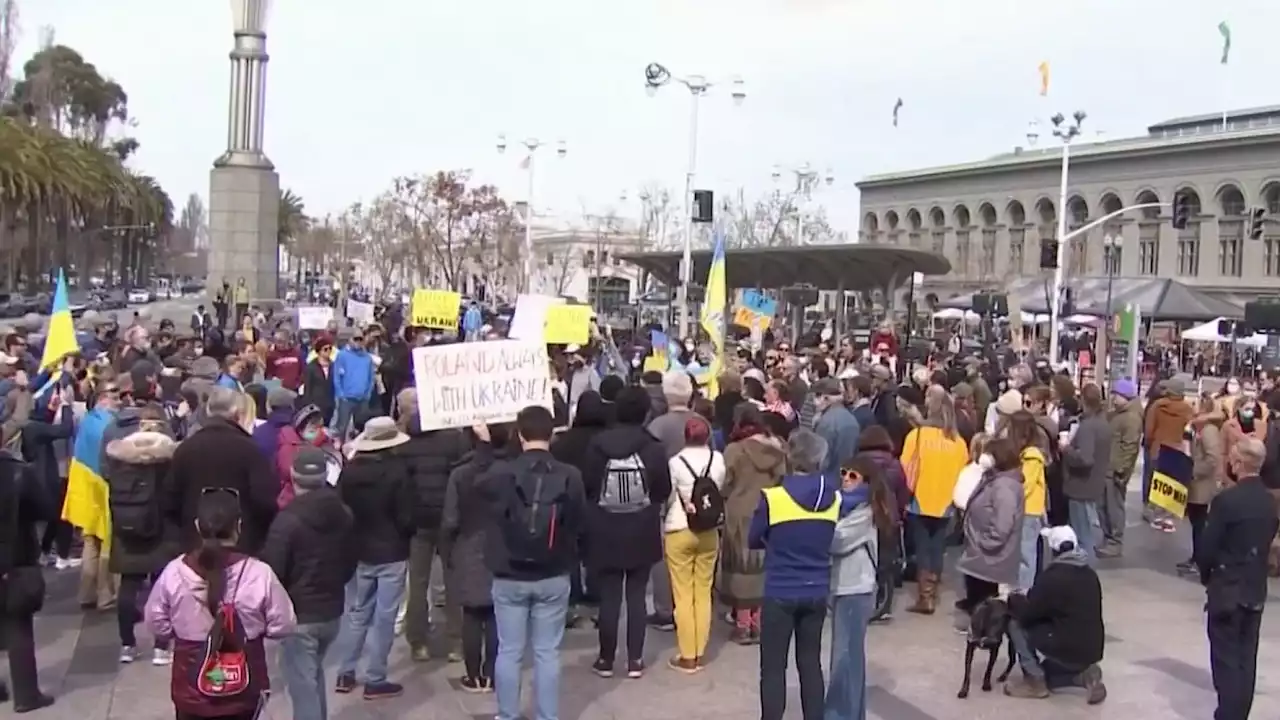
{"x":1246,"y":414}
{"x":198,"y":351}
{"x":310,"y":434}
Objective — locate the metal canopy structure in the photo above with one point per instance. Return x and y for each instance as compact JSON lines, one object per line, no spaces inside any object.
{"x":825,"y":267}
{"x":1159,"y":299}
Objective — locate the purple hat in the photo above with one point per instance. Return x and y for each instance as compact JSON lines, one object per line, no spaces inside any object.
{"x":1125,"y":388}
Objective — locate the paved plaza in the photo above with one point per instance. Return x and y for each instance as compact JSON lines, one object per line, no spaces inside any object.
{"x":1156,"y":665}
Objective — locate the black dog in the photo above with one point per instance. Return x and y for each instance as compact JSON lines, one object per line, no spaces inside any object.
{"x":988,"y":627}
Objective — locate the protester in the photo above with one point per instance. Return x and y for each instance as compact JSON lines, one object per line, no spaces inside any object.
{"x":188,"y":600}
{"x":993,"y":528}
{"x":1208,"y":472}
{"x":1087,"y":461}
{"x":1023,"y":431}
{"x":429,"y":457}
{"x":669,"y":429}
{"x":1232,"y":560}
{"x":1126,"y":443}
{"x":1057,"y":628}
{"x":310,"y":547}
{"x":834,"y":423}
{"x":1167,"y":415}
{"x":317,"y":385}
{"x":530,"y":554}
{"x":307,"y":429}
{"x":627,"y":484}
{"x":143,"y":540}
{"x":933,"y":455}
{"x":353,"y":385}
{"x":754,"y":460}
{"x":869,"y":517}
{"x":570,"y":447}
{"x":223,"y":455}
{"x":375,"y":485}
{"x":794,"y":523}
{"x":692,"y":541}
{"x":279,"y":415}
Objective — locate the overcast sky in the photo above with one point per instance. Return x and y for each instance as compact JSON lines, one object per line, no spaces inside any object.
{"x":359,"y":92}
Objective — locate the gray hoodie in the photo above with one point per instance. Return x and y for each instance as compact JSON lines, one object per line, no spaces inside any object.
{"x":1088,"y":460}
{"x":668,"y":428}
{"x":853,"y":549}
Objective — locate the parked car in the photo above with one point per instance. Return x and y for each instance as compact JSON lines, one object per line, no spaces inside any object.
{"x":140,"y":295}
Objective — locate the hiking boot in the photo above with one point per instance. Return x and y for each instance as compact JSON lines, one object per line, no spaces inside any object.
{"x":345,"y":683}
{"x":1091,"y":681}
{"x":1028,"y":688}
{"x":684,"y":665}
{"x":926,"y":593}
{"x":602,"y":667}
{"x":420,"y":654}
{"x":382,"y":690}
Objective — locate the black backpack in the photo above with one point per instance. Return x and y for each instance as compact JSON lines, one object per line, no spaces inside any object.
{"x":533,"y":519}
{"x":705,"y":497}
{"x":135,"y":503}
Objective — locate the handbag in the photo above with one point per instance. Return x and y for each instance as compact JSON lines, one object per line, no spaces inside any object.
{"x":23,"y":591}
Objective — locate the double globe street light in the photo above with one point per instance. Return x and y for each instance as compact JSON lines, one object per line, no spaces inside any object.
{"x":808,"y":180}
{"x":656,"y":76}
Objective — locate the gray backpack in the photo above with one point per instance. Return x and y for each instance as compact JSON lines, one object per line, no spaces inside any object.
{"x":626,"y":487}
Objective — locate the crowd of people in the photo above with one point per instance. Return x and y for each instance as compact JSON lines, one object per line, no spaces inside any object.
{"x":277,"y":486}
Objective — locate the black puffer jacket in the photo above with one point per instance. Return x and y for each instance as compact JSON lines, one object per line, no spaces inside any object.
{"x":311,"y":549}
{"x":142,"y":457}
{"x":376,"y":487}
{"x":428,"y":458}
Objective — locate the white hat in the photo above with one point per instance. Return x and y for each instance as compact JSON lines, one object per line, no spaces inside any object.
{"x":571,"y":349}
{"x":1009,"y":403}
{"x":848,"y":373}
{"x":1058,"y":536}
{"x":380,"y":433}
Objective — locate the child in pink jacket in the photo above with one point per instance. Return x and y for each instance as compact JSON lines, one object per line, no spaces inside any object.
{"x":196,"y":587}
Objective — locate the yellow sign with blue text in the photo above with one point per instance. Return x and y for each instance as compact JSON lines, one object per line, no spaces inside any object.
{"x":1169,"y":480}
{"x":567,"y":324}
{"x":435,"y":309}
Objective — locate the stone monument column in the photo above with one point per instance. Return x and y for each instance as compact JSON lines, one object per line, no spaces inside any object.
{"x":244,"y":189}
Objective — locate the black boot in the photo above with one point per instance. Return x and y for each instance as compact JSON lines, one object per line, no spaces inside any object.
{"x":4,"y":692}
{"x":41,"y":701}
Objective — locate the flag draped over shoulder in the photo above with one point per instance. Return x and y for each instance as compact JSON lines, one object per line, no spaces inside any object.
{"x":61,"y":340}
{"x":87,"y":506}
{"x":1225,"y":31}
{"x":713,"y":313}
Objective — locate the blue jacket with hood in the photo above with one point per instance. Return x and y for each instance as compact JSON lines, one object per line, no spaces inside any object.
{"x":353,"y":374}
{"x":794,"y":524}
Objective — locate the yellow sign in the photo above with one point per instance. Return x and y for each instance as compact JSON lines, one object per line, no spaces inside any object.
{"x":435,"y":309}
{"x":655,"y":363}
{"x":567,"y":324}
{"x":744,"y":317}
{"x":1169,"y":480}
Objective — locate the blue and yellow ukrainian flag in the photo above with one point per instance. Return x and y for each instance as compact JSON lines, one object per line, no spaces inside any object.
{"x":61,"y":339}
{"x":87,"y":506}
{"x":713,"y":309}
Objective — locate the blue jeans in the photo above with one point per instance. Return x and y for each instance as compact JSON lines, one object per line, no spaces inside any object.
{"x":529,"y":613}
{"x":373,"y":599}
{"x":302,"y":665}
{"x":930,"y":537}
{"x":847,"y":687}
{"x":1036,"y":664}
{"x":1031,"y":526}
{"x":1083,"y":516}
{"x":344,"y":411}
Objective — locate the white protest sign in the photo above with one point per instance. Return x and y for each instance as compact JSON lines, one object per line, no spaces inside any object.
{"x":464,"y":384}
{"x":314,"y":317}
{"x":530,"y":318}
{"x":361,"y":312}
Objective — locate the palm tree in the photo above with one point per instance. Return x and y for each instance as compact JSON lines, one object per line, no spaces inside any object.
{"x":291,"y":225}
{"x":57,"y":193}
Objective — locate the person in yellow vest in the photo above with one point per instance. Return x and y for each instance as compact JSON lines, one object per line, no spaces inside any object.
{"x":242,"y":298}
{"x":794,"y":524}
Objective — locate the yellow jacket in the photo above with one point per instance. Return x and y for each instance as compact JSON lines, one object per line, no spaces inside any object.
{"x":1033,"y":483}
{"x":933,"y":463}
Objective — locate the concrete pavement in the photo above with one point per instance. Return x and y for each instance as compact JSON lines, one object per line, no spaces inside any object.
{"x":1156,"y":665}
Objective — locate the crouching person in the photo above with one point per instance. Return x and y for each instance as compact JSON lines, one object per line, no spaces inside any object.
{"x":309,"y":548}
{"x":1057,"y":626}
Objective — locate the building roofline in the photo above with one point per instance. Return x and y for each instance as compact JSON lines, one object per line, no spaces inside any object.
{"x":1052,"y":157}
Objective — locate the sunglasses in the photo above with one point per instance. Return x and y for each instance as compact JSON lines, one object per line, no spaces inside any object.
{"x":211,"y":490}
{"x":850,"y":474}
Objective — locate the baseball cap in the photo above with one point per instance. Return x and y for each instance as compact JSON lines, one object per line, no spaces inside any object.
{"x":310,"y":468}
{"x":1058,"y":536}
{"x":826,"y":387}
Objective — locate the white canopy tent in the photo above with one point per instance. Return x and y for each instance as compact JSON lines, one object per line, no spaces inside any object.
{"x":1208,"y":332}
{"x":1027,"y":318}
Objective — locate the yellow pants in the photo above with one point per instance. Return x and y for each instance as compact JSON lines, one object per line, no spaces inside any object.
{"x":691,"y":559}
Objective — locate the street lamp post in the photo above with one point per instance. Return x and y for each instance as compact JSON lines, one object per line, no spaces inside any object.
{"x":806,"y":182}
{"x":531,"y":145}
{"x":655,"y":76}
{"x":1111,"y":248}
{"x":1066,"y":131}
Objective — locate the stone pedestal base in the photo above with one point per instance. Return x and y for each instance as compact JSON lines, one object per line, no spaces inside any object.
{"x":244,"y":211}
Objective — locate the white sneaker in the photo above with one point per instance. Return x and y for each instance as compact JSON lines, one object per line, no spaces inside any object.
{"x":128,"y":654}
{"x":66,"y":563}
{"x":161,"y":658}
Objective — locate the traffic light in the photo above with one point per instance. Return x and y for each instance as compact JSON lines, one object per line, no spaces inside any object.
{"x":1256,"y":223}
{"x":702,"y":206}
{"x":1181,"y":211}
{"x":1048,"y":254}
